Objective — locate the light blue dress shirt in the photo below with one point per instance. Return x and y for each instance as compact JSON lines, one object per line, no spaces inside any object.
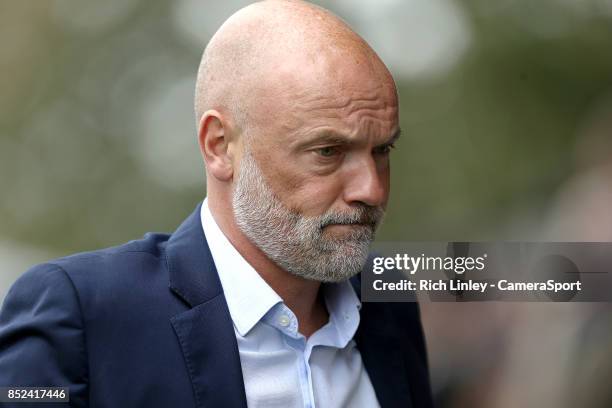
{"x":280,"y":367}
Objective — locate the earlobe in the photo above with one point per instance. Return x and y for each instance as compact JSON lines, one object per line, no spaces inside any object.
{"x":214,"y":140}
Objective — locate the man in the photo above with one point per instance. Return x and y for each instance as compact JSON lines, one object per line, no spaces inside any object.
{"x":249,"y":302}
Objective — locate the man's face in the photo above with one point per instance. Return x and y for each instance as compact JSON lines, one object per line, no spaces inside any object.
{"x":313,"y":181}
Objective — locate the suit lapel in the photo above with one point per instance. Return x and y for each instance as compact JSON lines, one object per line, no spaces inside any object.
{"x":383,"y":357}
{"x":209,"y":346}
{"x":381,"y":350}
{"x":205,"y":331}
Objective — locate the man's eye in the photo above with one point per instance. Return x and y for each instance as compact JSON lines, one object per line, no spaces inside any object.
{"x":328,"y":151}
{"x":384,"y":149}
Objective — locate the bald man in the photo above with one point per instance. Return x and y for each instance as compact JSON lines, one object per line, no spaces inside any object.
{"x":254,"y":300}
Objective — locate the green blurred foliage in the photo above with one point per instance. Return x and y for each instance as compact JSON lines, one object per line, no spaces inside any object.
{"x":482,"y":147}
{"x":494,"y":140}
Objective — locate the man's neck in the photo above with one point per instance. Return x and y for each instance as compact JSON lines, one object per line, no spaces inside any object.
{"x":302,"y":296}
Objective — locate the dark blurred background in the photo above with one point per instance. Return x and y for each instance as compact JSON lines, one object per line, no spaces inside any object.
{"x":506,"y":111}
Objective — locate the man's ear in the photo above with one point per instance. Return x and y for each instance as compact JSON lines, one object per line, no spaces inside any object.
{"x":214,"y":138}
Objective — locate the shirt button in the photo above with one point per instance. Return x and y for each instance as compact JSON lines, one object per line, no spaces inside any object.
{"x":284,"y":320}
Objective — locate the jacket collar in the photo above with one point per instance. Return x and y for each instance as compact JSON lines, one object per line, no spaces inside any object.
{"x":193,"y":276}
{"x":205,"y":331}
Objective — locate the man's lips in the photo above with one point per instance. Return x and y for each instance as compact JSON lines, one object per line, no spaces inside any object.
{"x":350,"y":225}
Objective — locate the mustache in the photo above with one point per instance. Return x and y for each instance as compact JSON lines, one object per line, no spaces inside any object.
{"x":371,"y":216}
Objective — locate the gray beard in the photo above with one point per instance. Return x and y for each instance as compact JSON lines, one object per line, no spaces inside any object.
{"x":299,"y":244}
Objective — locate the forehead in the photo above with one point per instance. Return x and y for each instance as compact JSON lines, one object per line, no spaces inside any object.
{"x":352,"y":99}
{"x":353,"y":112}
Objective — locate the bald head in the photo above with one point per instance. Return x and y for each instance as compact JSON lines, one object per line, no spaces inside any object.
{"x":296,"y":117}
{"x":273,"y":49}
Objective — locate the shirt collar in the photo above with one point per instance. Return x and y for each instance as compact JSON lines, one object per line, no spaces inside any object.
{"x":249,"y":298}
{"x":343,"y":306}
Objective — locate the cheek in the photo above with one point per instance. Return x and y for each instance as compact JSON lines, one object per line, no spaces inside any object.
{"x":297,"y":189}
{"x":315,"y":195}
{"x":385,"y":179}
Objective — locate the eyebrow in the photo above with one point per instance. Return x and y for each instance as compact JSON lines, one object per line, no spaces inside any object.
{"x":333,"y":137}
{"x":394,"y":137}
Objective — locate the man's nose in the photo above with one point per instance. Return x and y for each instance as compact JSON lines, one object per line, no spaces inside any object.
{"x":367,"y":184}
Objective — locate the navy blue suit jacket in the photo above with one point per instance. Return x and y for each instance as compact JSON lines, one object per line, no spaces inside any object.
{"x":146,"y":324}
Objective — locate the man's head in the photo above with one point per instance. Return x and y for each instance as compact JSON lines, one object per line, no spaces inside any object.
{"x":296,"y":116}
